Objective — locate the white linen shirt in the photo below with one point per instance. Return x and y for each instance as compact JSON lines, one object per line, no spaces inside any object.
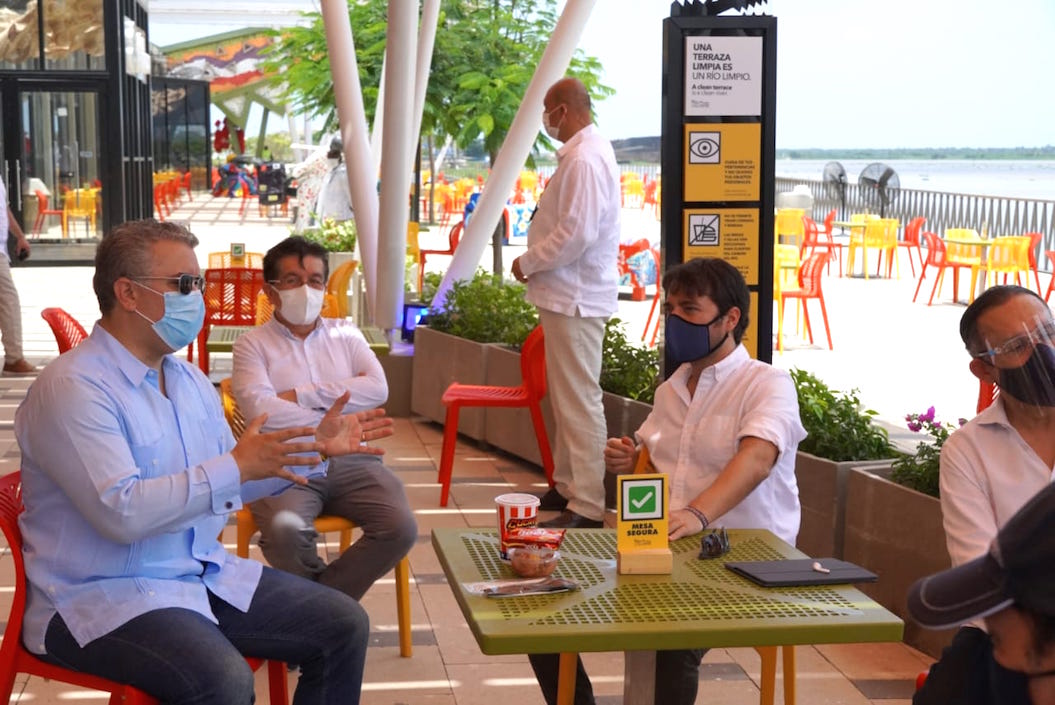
{"x":988,"y":472}
{"x":334,"y":358}
{"x":692,"y":439}
{"x":573,"y":240}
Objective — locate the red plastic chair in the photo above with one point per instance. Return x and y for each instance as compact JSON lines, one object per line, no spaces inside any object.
{"x":1034,"y":242}
{"x":14,"y":658}
{"x":655,"y":308}
{"x":986,"y":394}
{"x":68,"y":332}
{"x":814,"y":239}
{"x":810,"y":274}
{"x":230,"y":300}
{"x":529,"y":394}
{"x":911,"y":242}
{"x":937,"y":258}
{"x":186,"y":184}
{"x":453,"y":237}
{"x":43,"y":211}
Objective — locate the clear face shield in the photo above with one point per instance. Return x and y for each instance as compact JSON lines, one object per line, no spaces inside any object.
{"x":1025,"y":362}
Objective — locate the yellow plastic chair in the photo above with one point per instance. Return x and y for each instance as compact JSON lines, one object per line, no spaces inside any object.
{"x":1008,"y":255}
{"x":857,"y":241}
{"x":79,"y":203}
{"x":882,"y":235}
{"x":960,"y":249}
{"x":223,"y":260}
{"x":246,"y":527}
{"x":789,"y":226}
{"x":337,"y":286}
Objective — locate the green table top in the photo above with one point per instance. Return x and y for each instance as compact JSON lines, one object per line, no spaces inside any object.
{"x":701,"y":604}
{"x":221,"y":338}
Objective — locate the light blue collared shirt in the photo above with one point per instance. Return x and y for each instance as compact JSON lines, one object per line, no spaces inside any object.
{"x":126,"y":491}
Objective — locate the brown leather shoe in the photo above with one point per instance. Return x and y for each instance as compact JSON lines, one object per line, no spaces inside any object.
{"x":570,"y":520}
{"x":19,"y":368}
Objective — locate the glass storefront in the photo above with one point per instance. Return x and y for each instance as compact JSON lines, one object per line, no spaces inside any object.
{"x":180,"y":109}
{"x":75,"y":150}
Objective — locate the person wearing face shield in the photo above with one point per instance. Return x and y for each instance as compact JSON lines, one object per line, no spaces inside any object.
{"x":1003,"y":456}
{"x":293,"y":368}
{"x":571,"y":271}
{"x":724,"y":428}
{"x":334,"y":201}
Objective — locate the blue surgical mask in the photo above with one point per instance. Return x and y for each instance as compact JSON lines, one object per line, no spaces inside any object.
{"x":687,"y":341}
{"x":184,"y":315}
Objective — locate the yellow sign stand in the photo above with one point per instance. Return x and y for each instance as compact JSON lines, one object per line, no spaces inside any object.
{"x":642,"y":510}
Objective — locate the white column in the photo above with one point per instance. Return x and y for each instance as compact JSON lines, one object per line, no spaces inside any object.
{"x":517,"y":144}
{"x":396,"y":152}
{"x":379,"y":118}
{"x":430,"y":14}
{"x":352,"y":119}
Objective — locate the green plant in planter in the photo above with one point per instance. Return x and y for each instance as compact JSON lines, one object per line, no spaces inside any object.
{"x":839,"y":427}
{"x":920,"y":471}
{"x":486,"y":309}
{"x":627,"y":369}
{"x":334,"y":236}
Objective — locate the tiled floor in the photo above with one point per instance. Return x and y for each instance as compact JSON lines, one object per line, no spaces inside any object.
{"x":447,"y":667}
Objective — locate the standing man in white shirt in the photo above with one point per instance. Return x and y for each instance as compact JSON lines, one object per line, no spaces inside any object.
{"x":293,"y":368}
{"x":724,"y":428}
{"x":572,"y":277}
{"x":15,"y":365}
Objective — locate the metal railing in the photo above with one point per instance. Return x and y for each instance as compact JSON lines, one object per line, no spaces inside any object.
{"x":997,"y":215}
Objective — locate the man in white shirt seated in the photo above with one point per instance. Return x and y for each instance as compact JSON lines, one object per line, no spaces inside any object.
{"x":724,"y":428}
{"x":292,"y":368}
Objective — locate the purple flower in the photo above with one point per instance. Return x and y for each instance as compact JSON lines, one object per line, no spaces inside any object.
{"x":915,"y":426}
{"x":928,"y":417}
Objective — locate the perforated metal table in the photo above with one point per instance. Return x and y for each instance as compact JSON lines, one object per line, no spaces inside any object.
{"x":700,"y":604}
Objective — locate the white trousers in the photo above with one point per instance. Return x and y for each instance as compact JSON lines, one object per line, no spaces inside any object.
{"x":573,"y":372}
{"x":10,"y":314}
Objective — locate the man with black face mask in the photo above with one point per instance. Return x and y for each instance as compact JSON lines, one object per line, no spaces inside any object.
{"x":1003,"y":456}
{"x":724,"y":428}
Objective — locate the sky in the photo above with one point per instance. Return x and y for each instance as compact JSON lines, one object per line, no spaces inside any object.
{"x":863,"y":73}
{"x":850,"y":73}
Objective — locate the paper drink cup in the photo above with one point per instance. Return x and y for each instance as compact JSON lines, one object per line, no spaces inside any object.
{"x":515,"y":511}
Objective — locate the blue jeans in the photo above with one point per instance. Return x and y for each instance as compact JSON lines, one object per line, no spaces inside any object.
{"x":179,"y":656}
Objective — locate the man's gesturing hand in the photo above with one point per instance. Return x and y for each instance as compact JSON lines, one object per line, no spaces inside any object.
{"x":262,"y":455}
{"x":341,"y":434}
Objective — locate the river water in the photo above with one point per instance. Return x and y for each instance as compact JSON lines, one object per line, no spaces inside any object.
{"x":1010,"y":178}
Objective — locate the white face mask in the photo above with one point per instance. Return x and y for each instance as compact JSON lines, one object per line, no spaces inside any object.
{"x":300,"y":306}
{"x":552,"y":130}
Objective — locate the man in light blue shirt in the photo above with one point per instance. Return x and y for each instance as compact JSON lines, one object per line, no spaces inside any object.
{"x":129,"y":472}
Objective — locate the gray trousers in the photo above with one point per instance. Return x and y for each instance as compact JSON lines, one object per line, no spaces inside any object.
{"x":357,"y":487}
{"x":10,"y":313}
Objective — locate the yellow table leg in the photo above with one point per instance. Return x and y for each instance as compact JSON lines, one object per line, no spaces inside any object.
{"x":789,"y":674}
{"x":769,"y":674}
{"x":403,"y":607}
{"x":566,"y":679}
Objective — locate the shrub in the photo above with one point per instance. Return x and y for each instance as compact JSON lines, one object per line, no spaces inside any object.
{"x":920,"y":471}
{"x":627,"y":369}
{"x":487,"y":309}
{"x":839,"y":427}
{"x":334,"y":236}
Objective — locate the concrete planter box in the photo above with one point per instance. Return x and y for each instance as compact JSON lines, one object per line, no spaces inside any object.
{"x":440,"y":359}
{"x":896,"y":533}
{"x":511,"y":429}
{"x":822,"y":495}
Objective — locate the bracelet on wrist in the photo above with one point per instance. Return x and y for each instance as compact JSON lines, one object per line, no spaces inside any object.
{"x":704,"y":521}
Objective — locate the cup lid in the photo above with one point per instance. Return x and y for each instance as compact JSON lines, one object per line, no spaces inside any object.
{"x":518,"y":498}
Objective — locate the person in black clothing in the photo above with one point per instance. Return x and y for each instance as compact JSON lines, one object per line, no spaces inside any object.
{"x":1013,"y":588}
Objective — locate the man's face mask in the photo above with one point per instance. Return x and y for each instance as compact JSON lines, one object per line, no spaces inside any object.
{"x":687,"y":341}
{"x":1025,"y":365}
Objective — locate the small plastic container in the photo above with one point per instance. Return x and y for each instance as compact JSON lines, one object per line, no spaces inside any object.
{"x":533,"y":561}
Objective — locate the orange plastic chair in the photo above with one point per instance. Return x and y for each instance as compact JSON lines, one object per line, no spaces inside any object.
{"x":230,"y":300}
{"x":221,"y":260}
{"x":453,"y":237}
{"x":15,"y":658}
{"x":43,"y":212}
{"x":986,"y":394}
{"x":938,"y":257}
{"x":185,"y":182}
{"x":68,"y":332}
{"x":246,"y":527}
{"x":1050,"y":254}
{"x":810,"y":274}
{"x":813,"y":239}
{"x":911,"y":241}
{"x":655,"y":308}
{"x":1034,"y":242}
{"x":529,"y":394}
